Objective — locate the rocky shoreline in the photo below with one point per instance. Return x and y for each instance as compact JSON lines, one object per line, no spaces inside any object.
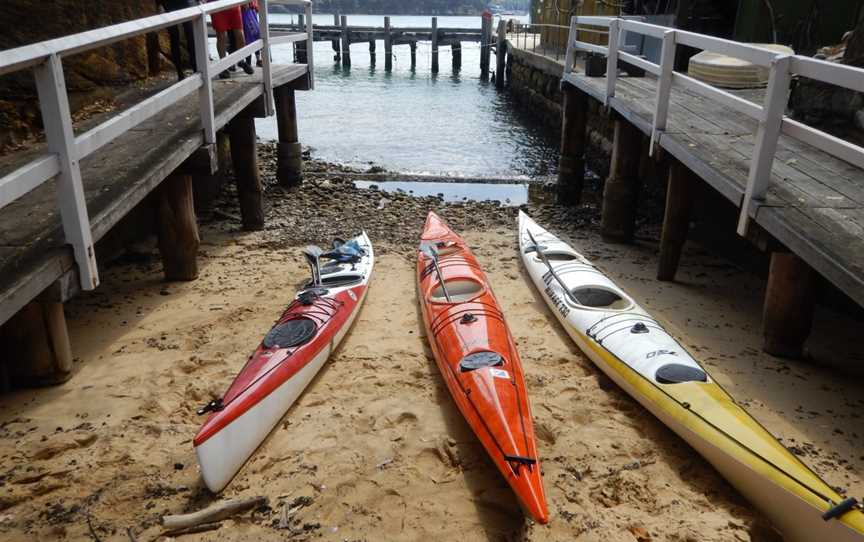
{"x":328,"y":205}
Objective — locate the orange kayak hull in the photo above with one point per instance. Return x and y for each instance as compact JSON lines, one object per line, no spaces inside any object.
{"x":478,"y":360}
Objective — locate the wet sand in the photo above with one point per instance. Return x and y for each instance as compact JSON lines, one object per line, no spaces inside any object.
{"x":375,"y":448}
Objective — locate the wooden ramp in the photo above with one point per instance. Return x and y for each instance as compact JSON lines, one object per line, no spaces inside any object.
{"x":815,"y":202}
{"x":33,"y":254}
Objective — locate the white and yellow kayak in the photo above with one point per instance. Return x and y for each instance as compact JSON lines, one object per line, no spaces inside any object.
{"x":640,"y":356}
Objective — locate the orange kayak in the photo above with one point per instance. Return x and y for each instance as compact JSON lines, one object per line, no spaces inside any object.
{"x":478,"y":359}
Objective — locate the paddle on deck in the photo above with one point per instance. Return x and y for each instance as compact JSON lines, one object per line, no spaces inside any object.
{"x":429,"y":250}
{"x":538,"y":248}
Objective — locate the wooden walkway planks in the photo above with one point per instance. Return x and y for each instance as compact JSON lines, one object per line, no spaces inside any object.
{"x":116,"y":178}
{"x":815,"y":205}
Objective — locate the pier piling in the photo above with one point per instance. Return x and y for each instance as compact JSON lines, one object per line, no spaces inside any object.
{"x":337,"y":56}
{"x":790,"y":300}
{"x":676,"y":222}
{"x":388,"y":46}
{"x":621,"y":191}
{"x":500,"y":53}
{"x":37,"y":339}
{"x":241,"y":131}
{"x":413,"y":46}
{"x":300,"y":46}
{"x":485,"y":46}
{"x":571,"y":164}
{"x":178,"y":229}
{"x":289,"y":157}
{"x":456,"y":53}
{"x":434,"y":44}
{"x":346,"y":42}
{"x":372,"y":48}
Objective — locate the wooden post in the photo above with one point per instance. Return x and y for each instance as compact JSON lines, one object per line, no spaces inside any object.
{"x":621,"y":191}
{"x":289,"y":156}
{"x":413,"y":46}
{"x":485,"y":45}
{"x":346,"y":42}
{"x":500,"y":54}
{"x":335,"y":43}
{"x":300,"y":46}
{"x":241,"y":131}
{"x":676,"y":222}
{"x":178,"y":228}
{"x":790,"y":300}
{"x":388,"y":46}
{"x":571,"y":164}
{"x":456,"y":50}
{"x":36,"y":340}
{"x":372,"y":47}
{"x":434,"y":44}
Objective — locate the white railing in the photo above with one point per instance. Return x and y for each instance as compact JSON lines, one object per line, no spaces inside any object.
{"x":66,"y":150}
{"x":771,"y":115}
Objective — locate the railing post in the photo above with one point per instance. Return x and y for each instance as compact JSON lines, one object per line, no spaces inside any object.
{"x":664,"y":88}
{"x":266,"y":69}
{"x":310,"y":47}
{"x":570,"y":56}
{"x":54,"y":104}
{"x":205,"y":93}
{"x":612,"y":58}
{"x":777,"y":97}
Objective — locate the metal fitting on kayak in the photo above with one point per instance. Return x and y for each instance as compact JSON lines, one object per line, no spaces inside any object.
{"x":213,"y":406}
{"x":841,"y":508}
{"x":639,"y":328}
{"x":467,"y":318}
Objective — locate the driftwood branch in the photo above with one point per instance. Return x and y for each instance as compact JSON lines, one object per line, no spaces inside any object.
{"x":203,"y":528}
{"x":215,"y":513}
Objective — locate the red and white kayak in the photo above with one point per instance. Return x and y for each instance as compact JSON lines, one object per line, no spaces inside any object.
{"x":285,"y":362}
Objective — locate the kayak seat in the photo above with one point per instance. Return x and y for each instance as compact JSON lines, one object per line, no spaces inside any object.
{"x":478,"y":360}
{"x":596,"y":297}
{"x":290,"y":333}
{"x":460,"y":290}
{"x":675,"y":373}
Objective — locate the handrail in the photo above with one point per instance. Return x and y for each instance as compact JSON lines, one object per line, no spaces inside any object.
{"x":770,"y":116}
{"x":66,"y":150}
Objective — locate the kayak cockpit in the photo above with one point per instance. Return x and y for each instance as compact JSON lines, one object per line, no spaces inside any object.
{"x":599,"y":297}
{"x":460,"y":290}
{"x":479,"y":360}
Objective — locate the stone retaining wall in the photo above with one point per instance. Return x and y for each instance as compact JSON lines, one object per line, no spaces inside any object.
{"x":535,"y":83}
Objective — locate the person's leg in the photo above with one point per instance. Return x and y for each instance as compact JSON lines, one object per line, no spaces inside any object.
{"x":176,"y":56}
{"x":190,"y":44}
{"x":232,"y":46}
{"x":243,"y":31}
{"x":221,"y":45}
{"x":241,"y":42}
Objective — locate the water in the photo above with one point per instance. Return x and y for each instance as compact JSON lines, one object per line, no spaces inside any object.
{"x":508,"y":194}
{"x":412,"y":121}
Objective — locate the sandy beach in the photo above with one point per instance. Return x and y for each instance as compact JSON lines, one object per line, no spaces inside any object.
{"x":375,"y":449}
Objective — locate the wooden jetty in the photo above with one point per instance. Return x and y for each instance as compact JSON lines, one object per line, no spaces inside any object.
{"x":800,"y":191}
{"x":341,"y":35}
{"x":60,"y":198}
